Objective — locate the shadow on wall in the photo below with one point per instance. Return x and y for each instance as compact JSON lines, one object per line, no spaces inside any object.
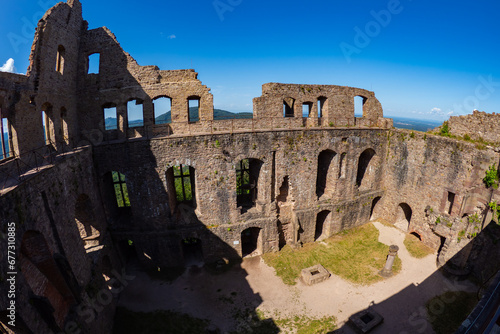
{"x":168,"y":237}
{"x":182,"y":244}
{"x":399,"y":317}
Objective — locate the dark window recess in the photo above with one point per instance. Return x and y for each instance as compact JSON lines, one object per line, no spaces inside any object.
{"x":247,"y":175}
{"x":121,"y":191}
{"x":449,"y":203}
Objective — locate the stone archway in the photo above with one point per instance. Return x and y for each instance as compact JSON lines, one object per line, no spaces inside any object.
{"x":251,"y":243}
{"x":403,"y":217}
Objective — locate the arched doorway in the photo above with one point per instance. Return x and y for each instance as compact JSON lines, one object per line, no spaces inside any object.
{"x":321,"y":218}
{"x":250,"y":242}
{"x":374,"y":204}
{"x":192,"y":251}
{"x":403,"y":217}
{"x":325,"y":176}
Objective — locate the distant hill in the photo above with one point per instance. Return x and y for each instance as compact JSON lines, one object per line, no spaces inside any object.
{"x":414,"y":124}
{"x":219,"y":114}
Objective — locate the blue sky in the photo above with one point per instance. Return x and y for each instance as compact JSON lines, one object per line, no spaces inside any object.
{"x":424,"y":59}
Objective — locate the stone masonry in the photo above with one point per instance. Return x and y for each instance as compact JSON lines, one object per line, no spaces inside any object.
{"x":85,"y":196}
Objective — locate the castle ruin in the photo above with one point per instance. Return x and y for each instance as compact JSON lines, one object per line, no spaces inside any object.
{"x":85,"y":194}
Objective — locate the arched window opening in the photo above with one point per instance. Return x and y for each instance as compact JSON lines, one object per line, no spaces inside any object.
{"x":288,"y":105}
{"x":93,"y":63}
{"x":60,"y":59}
{"x":363,"y":163}
{"x":324,"y":179}
{"x":135,"y":113}
{"x":121,"y":191}
{"x":247,"y":179}
{"x":110,"y":117}
{"x":194,"y":109}
{"x":359,"y":105}
{"x":162,"y":110}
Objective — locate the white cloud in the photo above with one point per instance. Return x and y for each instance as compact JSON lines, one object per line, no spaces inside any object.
{"x":436,"y":110}
{"x":172,"y":37}
{"x":8,"y":66}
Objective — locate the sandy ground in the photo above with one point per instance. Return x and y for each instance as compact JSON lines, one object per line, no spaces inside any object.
{"x":226,"y":299}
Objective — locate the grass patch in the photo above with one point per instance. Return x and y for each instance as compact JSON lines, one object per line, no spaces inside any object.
{"x":306,"y":325}
{"x":159,"y":322}
{"x":355,"y":255}
{"x":416,"y":248}
{"x":447,"y":311}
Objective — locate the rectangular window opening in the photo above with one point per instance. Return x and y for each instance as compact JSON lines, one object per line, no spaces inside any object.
{"x":163,"y":110}
{"x":121,"y":191}
{"x":194,"y":110}
{"x":93,"y":63}
{"x":46,"y":127}
{"x":183,"y":185}
{"x":110,"y":119}
{"x":321,"y":104}
{"x":135,"y":114}
{"x":60,"y":59}
{"x":306,"y":109}
{"x":450,"y":201}
{"x":5,"y":141}
{"x":359,"y":102}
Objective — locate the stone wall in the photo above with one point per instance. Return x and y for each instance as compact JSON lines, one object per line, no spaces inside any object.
{"x":432,"y":174}
{"x":285,"y":155}
{"x":56,"y":268}
{"x":479,"y":125}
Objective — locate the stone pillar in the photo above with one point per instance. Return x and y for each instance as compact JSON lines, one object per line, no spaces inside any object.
{"x":387,"y":271}
{"x":122,"y":120}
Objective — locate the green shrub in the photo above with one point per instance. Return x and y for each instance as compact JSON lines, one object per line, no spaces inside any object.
{"x":491,"y":178}
{"x":445,"y":130}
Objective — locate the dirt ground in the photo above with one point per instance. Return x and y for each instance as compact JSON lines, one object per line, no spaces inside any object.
{"x":228,"y":300}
